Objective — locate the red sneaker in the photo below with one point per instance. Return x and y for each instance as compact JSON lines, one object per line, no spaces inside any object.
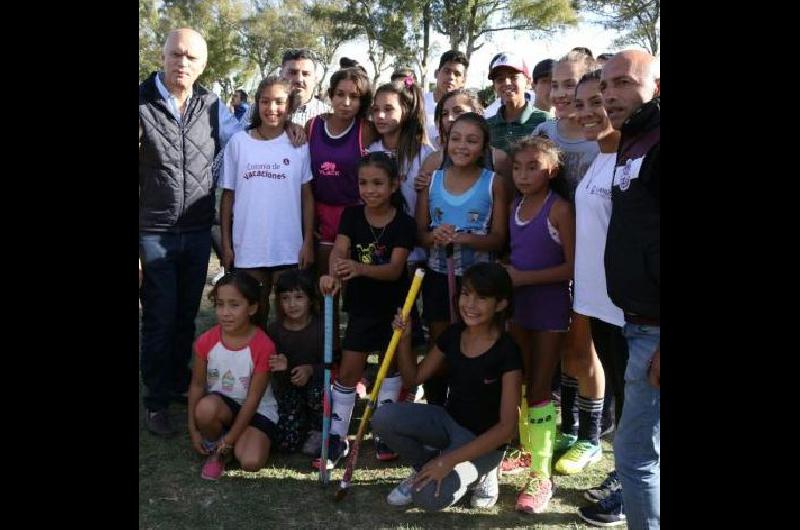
{"x":536,"y":494}
{"x":213,"y":468}
{"x":517,"y":461}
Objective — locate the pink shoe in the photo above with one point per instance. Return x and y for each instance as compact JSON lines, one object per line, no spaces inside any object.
{"x":517,"y":461}
{"x":536,"y":494}
{"x":213,"y":468}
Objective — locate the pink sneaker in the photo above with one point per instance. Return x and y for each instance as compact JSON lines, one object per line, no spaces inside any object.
{"x":536,"y":494}
{"x":213,"y":468}
{"x":518,"y":461}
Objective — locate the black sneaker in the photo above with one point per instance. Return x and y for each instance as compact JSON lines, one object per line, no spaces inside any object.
{"x":609,"y":486}
{"x":337,"y":449}
{"x":608,"y":512}
{"x":158,"y":422}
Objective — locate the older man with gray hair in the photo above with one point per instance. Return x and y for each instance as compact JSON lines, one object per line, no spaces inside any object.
{"x":182,"y":126}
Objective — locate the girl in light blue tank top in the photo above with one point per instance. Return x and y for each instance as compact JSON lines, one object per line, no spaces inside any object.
{"x":464,"y":205}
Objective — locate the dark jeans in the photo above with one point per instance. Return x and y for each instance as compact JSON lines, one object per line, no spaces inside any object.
{"x":612,"y":350}
{"x":174,"y":267}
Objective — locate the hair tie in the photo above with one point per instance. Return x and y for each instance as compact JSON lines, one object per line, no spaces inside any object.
{"x":408,"y":81}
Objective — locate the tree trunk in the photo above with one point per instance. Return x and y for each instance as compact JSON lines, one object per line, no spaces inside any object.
{"x":426,"y":41}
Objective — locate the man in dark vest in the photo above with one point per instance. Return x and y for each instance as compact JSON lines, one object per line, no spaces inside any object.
{"x":182,"y":126}
{"x":631,"y":88}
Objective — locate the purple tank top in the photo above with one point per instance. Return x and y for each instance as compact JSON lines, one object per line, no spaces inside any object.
{"x":334,"y":163}
{"x":538,"y":307}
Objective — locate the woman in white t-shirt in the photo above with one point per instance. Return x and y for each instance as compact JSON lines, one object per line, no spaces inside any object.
{"x":593,"y":214}
{"x":267,"y":211}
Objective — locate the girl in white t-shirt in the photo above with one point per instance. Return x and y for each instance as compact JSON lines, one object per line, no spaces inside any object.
{"x":267,"y":210}
{"x":231,"y":404}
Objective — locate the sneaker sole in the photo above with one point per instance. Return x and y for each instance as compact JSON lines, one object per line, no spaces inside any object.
{"x":515,"y":471}
{"x":489,"y":505}
{"x":386,"y":457}
{"x":598,"y":523}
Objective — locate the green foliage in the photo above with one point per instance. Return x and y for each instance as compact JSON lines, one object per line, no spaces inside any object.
{"x":468,"y":21}
{"x":640,"y":20}
{"x":487,"y":95}
{"x":333,"y":27}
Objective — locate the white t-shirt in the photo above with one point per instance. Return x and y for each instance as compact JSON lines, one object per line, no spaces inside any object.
{"x":407,"y":186}
{"x":430,"y":122}
{"x":593,"y":213}
{"x":266,"y":177}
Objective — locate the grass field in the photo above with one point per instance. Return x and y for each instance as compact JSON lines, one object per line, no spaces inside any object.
{"x":287,"y":492}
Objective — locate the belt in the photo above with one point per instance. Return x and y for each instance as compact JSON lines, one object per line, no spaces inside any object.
{"x":641,"y":320}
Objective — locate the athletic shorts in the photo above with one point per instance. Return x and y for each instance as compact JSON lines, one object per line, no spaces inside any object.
{"x":327,"y":218}
{"x":260,"y":422}
{"x":368,"y":333}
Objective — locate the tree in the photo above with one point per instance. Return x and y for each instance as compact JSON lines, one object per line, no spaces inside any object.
{"x":384,"y":29}
{"x":149,"y":44}
{"x":416,"y":48}
{"x":333,"y":28}
{"x":272,"y":29}
{"x":468,"y":21}
{"x":640,"y":19}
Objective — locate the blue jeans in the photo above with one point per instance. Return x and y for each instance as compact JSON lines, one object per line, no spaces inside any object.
{"x":174,"y":267}
{"x":638,"y":439}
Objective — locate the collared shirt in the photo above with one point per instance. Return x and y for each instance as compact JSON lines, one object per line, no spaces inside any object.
{"x":228,"y":124}
{"x":505,"y":133}
{"x":314,"y":107}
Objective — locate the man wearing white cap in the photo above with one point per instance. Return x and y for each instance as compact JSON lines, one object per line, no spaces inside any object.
{"x":517,"y":117}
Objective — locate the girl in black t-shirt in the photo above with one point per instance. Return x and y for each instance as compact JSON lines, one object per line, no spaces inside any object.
{"x":459,"y":445}
{"x":369,"y":254}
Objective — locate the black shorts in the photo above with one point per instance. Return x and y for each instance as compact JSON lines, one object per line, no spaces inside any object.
{"x":260,"y":422}
{"x":368,"y":333}
{"x":435,"y":296}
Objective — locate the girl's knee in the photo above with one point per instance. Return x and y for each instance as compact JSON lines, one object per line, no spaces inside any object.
{"x":208,"y":409}
{"x":252,"y":463}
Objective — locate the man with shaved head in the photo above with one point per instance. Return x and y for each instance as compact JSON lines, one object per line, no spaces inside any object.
{"x":630,"y":85}
{"x":182,"y":126}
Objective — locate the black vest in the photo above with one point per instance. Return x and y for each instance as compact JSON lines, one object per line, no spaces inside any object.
{"x":175,"y":186}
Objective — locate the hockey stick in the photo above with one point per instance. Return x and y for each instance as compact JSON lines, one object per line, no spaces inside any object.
{"x":451,"y":282}
{"x":373,"y":397}
{"x":324,"y":473}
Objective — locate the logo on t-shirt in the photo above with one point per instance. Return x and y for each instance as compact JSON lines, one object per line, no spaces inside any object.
{"x":228,"y":381}
{"x":285,"y":161}
{"x":245,"y":381}
{"x":371,"y":254}
{"x":212,"y":376}
{"x":328,"y":169}
{"x":437,"y":215}
{"x":473,"y":216}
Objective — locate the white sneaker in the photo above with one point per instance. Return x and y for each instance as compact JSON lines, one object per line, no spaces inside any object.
{"x":486,"y":491}
{"x":401,"y":494}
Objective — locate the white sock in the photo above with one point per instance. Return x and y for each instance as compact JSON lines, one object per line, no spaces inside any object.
{"x":344,"y":400}
{"x":390,"y":389}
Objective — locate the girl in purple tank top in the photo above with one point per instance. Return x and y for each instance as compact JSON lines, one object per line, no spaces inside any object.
{"x":542,"y":232}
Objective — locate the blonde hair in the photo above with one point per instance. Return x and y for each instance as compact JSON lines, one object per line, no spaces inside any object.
{"x":542,"y":144}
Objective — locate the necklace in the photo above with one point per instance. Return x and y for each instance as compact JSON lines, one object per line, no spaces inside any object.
{"x":265,"y":137}
{"x":377,"y":237}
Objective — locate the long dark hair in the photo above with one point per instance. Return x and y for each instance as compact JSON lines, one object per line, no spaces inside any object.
{"x":412,"y":126}
{"x":297,"y":280}
{"x":359,"y":78}
{"x":480,"y":121}
{"x":388,"y":164}
{"x":474,"y":104}
{"x":491,"y":280}
{"x":248,"y":287}
{"x":293,"y":100}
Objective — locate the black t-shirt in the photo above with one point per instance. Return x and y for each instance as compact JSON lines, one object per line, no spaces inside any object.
{"x":476,"y":383}
{"x":300,"y":347}
{"x":374,"y":246}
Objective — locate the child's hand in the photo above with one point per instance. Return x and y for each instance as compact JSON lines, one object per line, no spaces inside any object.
{"x":305,"y":258}
{"x":347,"y":269}
{"x":436,"y":470}
{"x":443,"y":234}
{"x":278,"y":363}
{"x":513,"y":273}
{"x":197,"y":441}
{"x":301,"y":374}
{"x":329,"y":285}
{"x":225,"y":445}
{"x":399,"y":323}
{"x":227,"y":257}
{"x":422,"y":180}
{"x":296,"y":133}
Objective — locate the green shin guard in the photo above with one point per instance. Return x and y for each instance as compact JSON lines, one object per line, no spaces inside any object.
{"x":541,"y":436}
{"x":524,"y":434}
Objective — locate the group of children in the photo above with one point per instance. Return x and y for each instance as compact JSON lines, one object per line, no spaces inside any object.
{"x":378,"y":201}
